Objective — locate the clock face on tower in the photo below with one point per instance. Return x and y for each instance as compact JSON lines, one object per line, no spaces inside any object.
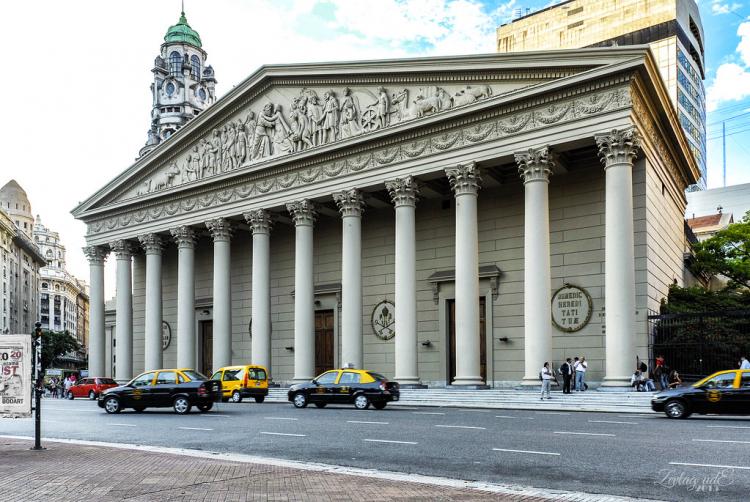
{"x":170,"y":88}
{"x":202,"y":94}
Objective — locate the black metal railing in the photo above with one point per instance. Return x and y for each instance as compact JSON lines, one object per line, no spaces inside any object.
{"x":699,"y":344}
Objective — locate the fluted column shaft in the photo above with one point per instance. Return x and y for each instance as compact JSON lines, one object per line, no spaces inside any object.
{"x":152,"y":245}
{"x":535,"y":166}
{"x":351,"y":208}
{"x":618,"y":150}
{"x":124,"y":310}
{"x":96,"y":256}
{"x":260,"y":224}
{"x":303,"y":213}
{"x":186,"y":342}
{"x":221,"y":232}
{"x":404,"y":193}
{"x":465,"y":181}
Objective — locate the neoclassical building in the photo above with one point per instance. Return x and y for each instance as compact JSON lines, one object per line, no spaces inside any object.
{"x":450,"y":220}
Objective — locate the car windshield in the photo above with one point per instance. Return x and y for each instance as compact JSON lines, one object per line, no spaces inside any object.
{"x":194,"y":375}
{"x":257,"y":374}
{"x":723,"y":380}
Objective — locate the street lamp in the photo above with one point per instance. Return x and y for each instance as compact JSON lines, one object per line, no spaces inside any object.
{"x":36,"y":338}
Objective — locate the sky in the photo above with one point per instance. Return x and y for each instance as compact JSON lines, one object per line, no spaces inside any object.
{"x":76,"y":99}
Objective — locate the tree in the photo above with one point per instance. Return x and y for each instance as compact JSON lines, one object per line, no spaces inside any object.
{"x":56,"y":344}
{"x":726,"y":253}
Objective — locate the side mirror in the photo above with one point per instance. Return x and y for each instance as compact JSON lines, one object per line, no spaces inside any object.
{"x":314,"y":381}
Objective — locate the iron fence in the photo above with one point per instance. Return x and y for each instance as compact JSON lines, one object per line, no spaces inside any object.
{"x":699,"y":344}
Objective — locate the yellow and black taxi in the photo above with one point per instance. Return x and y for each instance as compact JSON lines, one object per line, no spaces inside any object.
{"x":238,"y":382}
{"x":179,"y":388}
{"x":345,"y":386}
{"x":723,"y":393}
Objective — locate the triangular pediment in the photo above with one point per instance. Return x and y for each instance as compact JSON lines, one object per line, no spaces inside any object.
{"x":302,"y":109}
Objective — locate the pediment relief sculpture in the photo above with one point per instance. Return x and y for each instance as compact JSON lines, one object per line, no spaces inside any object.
{"x":287,"y":121}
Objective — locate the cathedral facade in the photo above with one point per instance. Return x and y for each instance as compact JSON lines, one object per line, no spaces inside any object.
{"x":443,"y":221}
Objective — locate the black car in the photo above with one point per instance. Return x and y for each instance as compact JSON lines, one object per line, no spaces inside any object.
{"x":345,"y":386}
{"x":179,"y":388}
{"x":723,"y":393}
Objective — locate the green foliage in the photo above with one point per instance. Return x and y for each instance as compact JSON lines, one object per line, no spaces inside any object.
{"x":727,"y":253}
{"x":56,"y":344}
{"x":697,"y":299}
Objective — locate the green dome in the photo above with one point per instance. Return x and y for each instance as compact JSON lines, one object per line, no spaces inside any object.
{"x":182,"y":33}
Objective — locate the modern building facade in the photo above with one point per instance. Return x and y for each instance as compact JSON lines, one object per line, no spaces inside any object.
{"x":671,"y":28}
{"x":454,"y":220}
{"x":733,"y":199}
{"x":184,"y":85}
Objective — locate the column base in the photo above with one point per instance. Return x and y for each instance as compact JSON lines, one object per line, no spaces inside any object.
{"x":468,"y":380}
{"x":530,"y":382}
{"x":614,"y":382}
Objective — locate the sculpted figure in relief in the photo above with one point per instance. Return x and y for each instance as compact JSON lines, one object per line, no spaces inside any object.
{"x":215,"y":152}
{"x":330,"y":119}
{"x":350,"y":115}
{"x":382,"y":109}
{"x":315,"y":114}
{"x":426,"y":105}
{"x":301,"y":136}
{"x":242,"y":143}
{"x":192,"y":166}
{"x":400,"y":100}
{"x":206,"y":158}
{"x":268,"y":121}
{"x":470,"y":94}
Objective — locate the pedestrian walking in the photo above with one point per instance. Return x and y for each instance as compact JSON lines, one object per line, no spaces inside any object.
{"x":580,"y":368}
{"x":546,"y":376}
{"x":744,"y":363}
{"x":566,"y":370}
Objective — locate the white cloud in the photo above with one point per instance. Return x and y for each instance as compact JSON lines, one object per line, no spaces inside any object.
{"x":718,"y":7}
{"x":732,"y":80}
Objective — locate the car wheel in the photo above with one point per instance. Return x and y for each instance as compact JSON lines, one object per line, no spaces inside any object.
{"x":139,"y":409}
{"x":181,"y":405}
{"x":92,"y":395}
{"x":259,"y":399}
{"x":380,"y":405}
{"x":299,"y":400}
{"x":236,"y":397}
{"x":676,"y":409}
{"x":112,"y":405}
{"x":70,"y":395}
{"x":361,"y":402}
{"x":205,"y":407}
{"x":321,"y":405}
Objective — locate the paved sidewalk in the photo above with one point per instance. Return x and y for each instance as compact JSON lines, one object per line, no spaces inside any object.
{"x":75,"y":471}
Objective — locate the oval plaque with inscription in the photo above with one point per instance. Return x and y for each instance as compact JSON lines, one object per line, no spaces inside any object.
{"x":571,"y":308}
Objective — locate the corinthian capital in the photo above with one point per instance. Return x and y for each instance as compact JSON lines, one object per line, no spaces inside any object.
{"x":350,"y":202}
{"x":151,"y":243}
{"x":619,"y":146}
{"x":464,"y":178}
{"x":96,"y":254}
{"x":123,"y":249}
{"x":303,"y":212}
{"x":259,"y":220}
{"x":220,"y":228}
{"x":184,"y":236}
{"x":403,"y":191}
{"x":535,"y":164}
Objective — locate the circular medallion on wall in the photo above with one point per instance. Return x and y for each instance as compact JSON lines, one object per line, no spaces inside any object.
{"x":170,"y":88}
{"x":571,"y":308}
{"x":166,"y":335}
{"x":202,"y":94}
{"x":383,"y":320}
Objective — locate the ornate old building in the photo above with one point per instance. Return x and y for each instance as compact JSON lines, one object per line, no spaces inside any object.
{"x":450,"y":220}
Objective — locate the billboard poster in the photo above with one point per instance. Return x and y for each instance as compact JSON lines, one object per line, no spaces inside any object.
{"x":15,"y":375}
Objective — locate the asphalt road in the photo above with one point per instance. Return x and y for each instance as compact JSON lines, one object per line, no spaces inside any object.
{"x":646,"y":456}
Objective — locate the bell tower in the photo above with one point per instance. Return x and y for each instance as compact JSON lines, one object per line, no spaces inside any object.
{"x":183,"y":84}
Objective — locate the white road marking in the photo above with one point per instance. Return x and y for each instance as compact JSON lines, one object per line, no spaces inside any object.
{"x":527,"y":451}
{"x":552,"y":413}
{"x":712,"y":465}
{"x":631,"y":415}
{"x":283,"y":434}
{"x":365,"y":422}
{"x":479,"y":411}
{"x":720,"y":441}
{"x":728,"y":426}
{"x":584,"y":433}
{"x":124,"y":425}
{"x":389,"y":441}
{"x":427,"y":413}
{"x":280,"y":418}
{"x":505,"y":416}
{"x":611,"y":422}
{"x":194,"y":429}
{"x":460,"y":427}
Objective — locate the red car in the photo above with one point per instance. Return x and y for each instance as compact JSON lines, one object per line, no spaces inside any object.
{"x":90,"y":387}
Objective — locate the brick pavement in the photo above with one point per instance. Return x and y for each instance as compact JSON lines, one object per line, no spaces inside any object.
{"x":74,"y":472}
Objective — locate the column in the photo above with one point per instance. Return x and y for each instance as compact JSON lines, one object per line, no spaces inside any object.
{"x":124,"y":310}
{"x":303,"y":213}
{"x":186,"y":343}
{"x":97,"y":338}
{"x":152,"y":245}
{"x":221,"y":231}
{"x":351,"y":208}
{"x":535,"y":167}
{"x":465,"y":181}
{"x":404,"y":192}
{"x":260,"y":224}
{"x":618,"y":150}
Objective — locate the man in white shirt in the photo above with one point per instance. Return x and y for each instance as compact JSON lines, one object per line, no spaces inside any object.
{"x":744,"y":363}
{"x":546,"y":374}
{"x":580,"y":367}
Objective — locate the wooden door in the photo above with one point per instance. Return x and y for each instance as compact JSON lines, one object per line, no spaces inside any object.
{"x":206,"y":347}
{"x":323,"y":341}
{"x":452,"y":340}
